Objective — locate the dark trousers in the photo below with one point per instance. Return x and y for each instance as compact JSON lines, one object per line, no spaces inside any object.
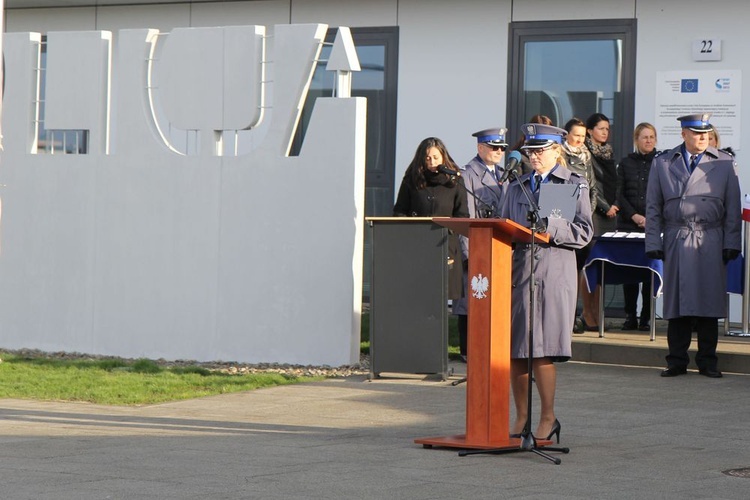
{"x":463,"y":327}
{"x":630,"y":294}
{"x":679,"y":335}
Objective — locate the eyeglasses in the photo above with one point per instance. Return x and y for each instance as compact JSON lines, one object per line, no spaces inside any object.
{"x":493,"y":147}
{"x":537,"y":152}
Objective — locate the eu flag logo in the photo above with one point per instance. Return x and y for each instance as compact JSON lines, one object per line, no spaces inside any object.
{"x":689,"y":85}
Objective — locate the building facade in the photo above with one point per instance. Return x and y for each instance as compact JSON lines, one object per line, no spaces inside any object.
{"x":444,"y":68}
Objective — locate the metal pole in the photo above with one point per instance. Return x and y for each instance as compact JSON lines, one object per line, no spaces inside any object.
{"x":745,"y":289}
{"x":601,"y":304}
{"x":653,"y":306}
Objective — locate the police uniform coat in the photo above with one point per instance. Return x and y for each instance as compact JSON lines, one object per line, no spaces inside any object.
{"x":488,"y":194}
{"x":485,"y":202}
{"x":699,"y":215}
{"x":555,"y":275}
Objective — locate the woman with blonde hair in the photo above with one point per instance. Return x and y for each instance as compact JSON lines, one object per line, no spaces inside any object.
{"x":555,"y":275}
{"x":518,"y":146}
{"x":632,"y":178}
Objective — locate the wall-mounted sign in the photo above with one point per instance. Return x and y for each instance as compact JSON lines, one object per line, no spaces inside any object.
{"x":679,"y":93}
{"x":708,"y":49}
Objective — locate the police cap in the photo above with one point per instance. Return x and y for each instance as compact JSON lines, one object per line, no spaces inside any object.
{"x":491,"y":136}
{"x":538,"y":135}
{"x":697,"y":122}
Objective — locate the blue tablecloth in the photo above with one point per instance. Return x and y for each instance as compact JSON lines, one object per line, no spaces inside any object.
{"x":626,"y":262}
{"x":735,"y":275}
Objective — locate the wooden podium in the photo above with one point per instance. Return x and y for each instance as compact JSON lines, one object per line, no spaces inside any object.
{"x":488,"y":368}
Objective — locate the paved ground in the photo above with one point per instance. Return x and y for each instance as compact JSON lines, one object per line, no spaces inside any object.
{"x":632,"y":434}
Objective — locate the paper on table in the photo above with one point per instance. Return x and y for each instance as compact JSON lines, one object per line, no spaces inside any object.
{"x":623,"y":234}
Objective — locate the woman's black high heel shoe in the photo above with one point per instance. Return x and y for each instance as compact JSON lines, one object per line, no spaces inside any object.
{"x":555,"y":430}
{"x":587,"y":327}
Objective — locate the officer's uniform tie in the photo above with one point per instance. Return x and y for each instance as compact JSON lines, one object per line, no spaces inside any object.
{"x":693,"y":162}
{"x":537,"y":182}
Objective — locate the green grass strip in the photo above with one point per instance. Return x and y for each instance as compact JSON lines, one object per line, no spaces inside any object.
{"x":117,"y":382}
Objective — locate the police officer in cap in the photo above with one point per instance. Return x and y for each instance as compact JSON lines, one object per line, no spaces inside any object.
{"x":693,"y":199}
{"x":484,"y":195}
{"x":482,"y":173}
{"x":555,"y":272}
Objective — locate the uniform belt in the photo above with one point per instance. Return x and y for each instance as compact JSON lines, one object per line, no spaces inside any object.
{"x":695,"y":226}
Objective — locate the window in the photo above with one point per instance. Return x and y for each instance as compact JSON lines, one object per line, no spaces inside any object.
{"x":564,"y":69}
{"x":56,"y":141}
{"x":377,"y":50}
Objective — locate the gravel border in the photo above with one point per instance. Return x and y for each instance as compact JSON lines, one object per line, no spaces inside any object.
{"x":228,"y":367}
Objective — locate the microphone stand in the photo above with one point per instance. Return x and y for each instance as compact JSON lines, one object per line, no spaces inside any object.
{"x":528,"y":441}
{"x":488,"y":211}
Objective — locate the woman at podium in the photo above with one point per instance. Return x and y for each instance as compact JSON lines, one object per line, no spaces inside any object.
{"x":431,"y":189}
{"x":555,"y":275}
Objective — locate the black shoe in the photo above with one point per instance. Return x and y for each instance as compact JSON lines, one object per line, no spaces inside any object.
{"x":674,"y":371}
{"x":710,"y":373}
{"x":587,"y":327}
{"x":578,"y":326}
{"x":631,"y":323}
{"x":555,"y":430}
{"x":645,"y":327}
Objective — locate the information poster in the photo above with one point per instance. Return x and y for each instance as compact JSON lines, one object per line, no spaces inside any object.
{"x":681,"y":93}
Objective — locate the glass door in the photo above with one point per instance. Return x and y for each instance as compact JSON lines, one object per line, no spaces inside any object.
{"x":566,"y":69}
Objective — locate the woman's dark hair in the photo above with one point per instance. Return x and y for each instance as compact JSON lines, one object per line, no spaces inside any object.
{"x":574,"y":122}
{"x":594,"y":119}
{"x":418,"y":165}
{"x":542,"y":119}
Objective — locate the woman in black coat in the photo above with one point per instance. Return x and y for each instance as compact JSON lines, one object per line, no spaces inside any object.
{"x":632,"y":179}
{"x":427,"y":192}
{"x":579,"y":160}
{"x":605,"y":213}
{"x":597,"y":129}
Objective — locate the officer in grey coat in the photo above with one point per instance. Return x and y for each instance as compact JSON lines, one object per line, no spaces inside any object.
{"x":555,"y":275}
{"x":484,"y":195}
{"x":693,"y":198}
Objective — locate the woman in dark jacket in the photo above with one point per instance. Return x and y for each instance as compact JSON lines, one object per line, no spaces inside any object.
{"x":427,"y":192}
{"x":597,"y":129}
{"x":604,"y":216}
{"x":578,"y":159}
{"x":632,"y":178}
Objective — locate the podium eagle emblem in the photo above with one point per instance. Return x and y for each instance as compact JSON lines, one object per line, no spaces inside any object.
{"x":479,"y":286}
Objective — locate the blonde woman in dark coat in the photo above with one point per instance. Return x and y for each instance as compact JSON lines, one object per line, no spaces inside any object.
{"x":632,"y":181}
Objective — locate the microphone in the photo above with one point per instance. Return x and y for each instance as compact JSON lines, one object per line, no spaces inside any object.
{"x":514,"y":158}
{"x":445,"y":170}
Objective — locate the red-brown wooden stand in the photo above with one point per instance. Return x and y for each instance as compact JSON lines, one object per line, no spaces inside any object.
{"x":488,"y":349}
